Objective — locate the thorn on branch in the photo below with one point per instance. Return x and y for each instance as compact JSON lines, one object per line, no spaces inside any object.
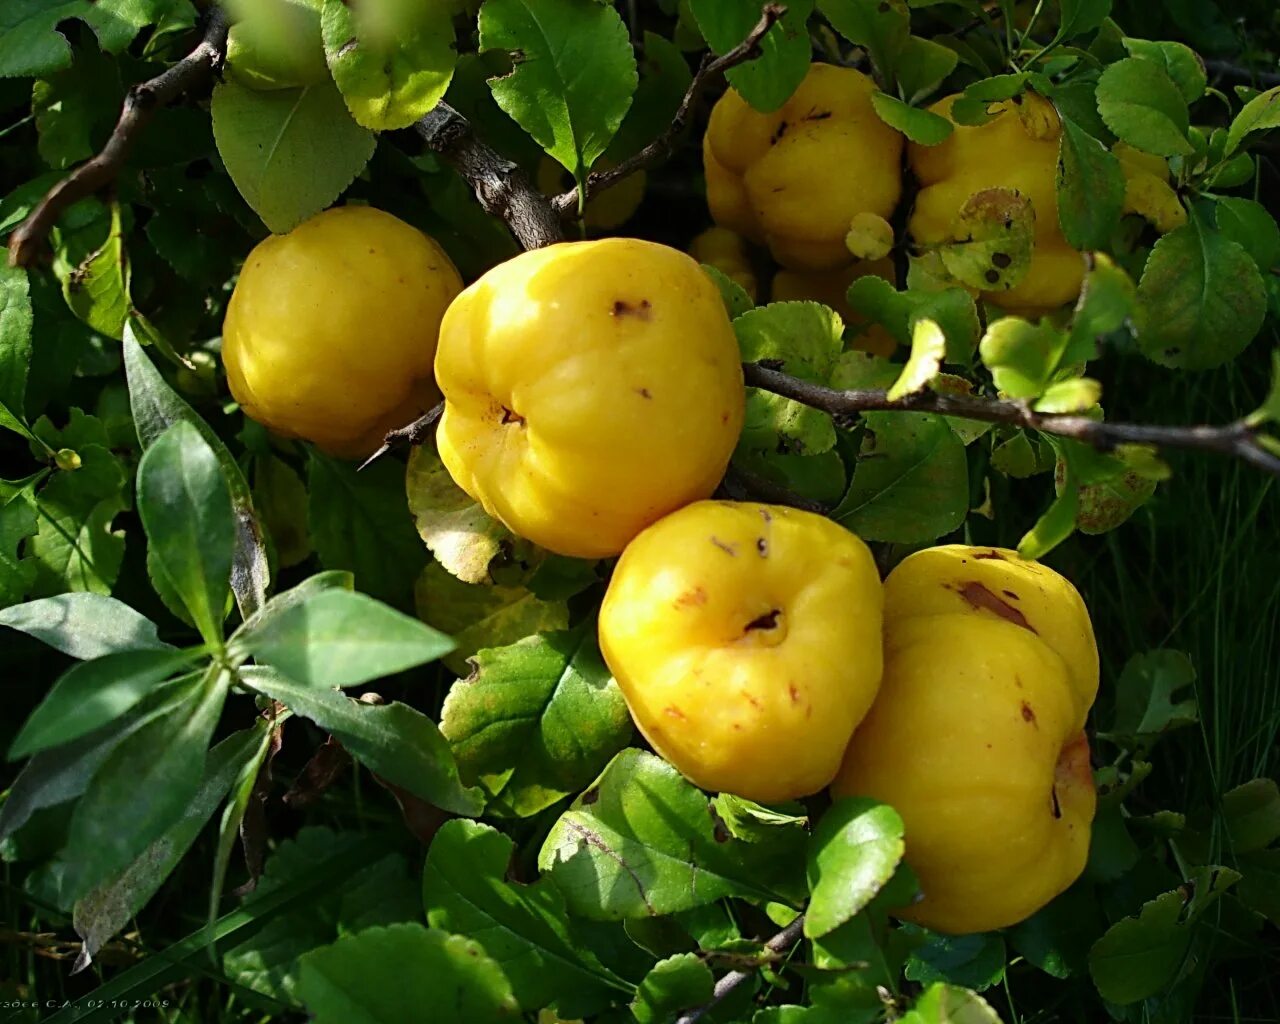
{"x":566,"y":204}
{"x":412,"y":434}
{"x":100,"y":171}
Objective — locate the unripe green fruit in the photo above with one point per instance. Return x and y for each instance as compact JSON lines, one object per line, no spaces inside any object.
{"x":277,"y":45}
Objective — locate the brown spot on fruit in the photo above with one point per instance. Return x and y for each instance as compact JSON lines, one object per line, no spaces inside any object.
{"x":983,"y":599}
{"x":762,"y":547}
{"x":724,"y":416}
{"x":779,"y":132}
{"x":793,"y":692}
{"x":1073,"y":768}
{"x":985,"y":555}
{"x":643,"y":392}
{"x":754,"y":702}
{"x":1010,"y":595}
{"x":764,"y":514}
{"x":638,"y":310}
{"x":674,"y":712}
{"x":692,"y":598}
{"x":1028,"y":715}
{"x":769,"y":620}
{"x":729,"y":549}
{"x":1057,"y":807}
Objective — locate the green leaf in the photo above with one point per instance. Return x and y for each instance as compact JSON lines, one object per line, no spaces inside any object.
{"x":84,"y":626}
{"x":93,"y":693}
{"x":393,"y":740}
{"x":882,"y":29}
{"x":1106,"y":302}
{"x":391,"y":975}
{"x":911,"y":484}
{"x":1107,"y":504}
{"x":17,"y":523}
{"x":677,"y":983}
{"x":1143,"y":106}
{"x":1056,"y":525}
{"x":928,"y":349}
{"x":15,"y":340}
{"x":524,"y":928}
{"x":917,"y":124}
{"x":75,"y":547}
{"x":736,"y":299}
{"x":479,"y":616}
{"x":280,"y":497}
{"x":1147,"y":694}
{"x":290,"y":152}
{"x":1251,"y":814}
{"x":923,"y":67}
{"x":1250,"y":225}
{"x":1259,"y":889}
{"x":974,"y":961}
{"x":109,"y":907}
{"x":155,"y":408}
{"x":185,"y":506}
{"x":543,"y":714}
{"x":1090,"y":188}
{"x":339,"y":638}
{"x":30,"y":43}
{"x":142,"y":788}
{"x":952,"y":309}
{"x":664,"y":78}
{"x":950,"y":1004}
{"x":1081,"y":16}
{"x":74,"y":108}
{"x":462,"y":536}
{"x":995,"y":232}
{"x":392,"y":60}
{"x":1201,"y":299}
{"x":573,"y":77}
{"x":1139,"y":956}
{"x":1057,"y":937}
{"x":1181,"y":63}
{"x":360,"y":523}
{"x":753,"y":823}
{"x":1022,"y":356}
{"x":803,"y":339}
{"x":97,"y":288}
{"x":641,"y":842}
{"x":768,"y":81}
{"x":1260,"y":114}
{"x":854,"y":851}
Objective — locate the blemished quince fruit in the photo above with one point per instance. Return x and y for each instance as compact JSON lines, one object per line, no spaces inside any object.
{"x":590,"y":388}
{"x":609,"y":209}
{"x":331,"y":331}
{"x":276,"y":44}
{"x":795,"y":178}
{"x":746,"y":640}
{"x":977,"y":736}
{"x":1147,"y":191}
{"x":1018,"y":150}
{"x":831,"y":288}
{"x":726,"y":251}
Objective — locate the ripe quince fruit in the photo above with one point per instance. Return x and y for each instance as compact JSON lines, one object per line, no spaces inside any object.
{"x":831,"y":288}
{"x":977,"y":737}
{"x":1018,"y":150}
{"x":331,"y":330}
{"x":726,"y":251}
{"x":746,"y":640}
{"x":590,"y":388}
{"x":609,"y":209}
{"x":1147,"y":191}
{"x":794,"y":179}
{"x":276,"y":44}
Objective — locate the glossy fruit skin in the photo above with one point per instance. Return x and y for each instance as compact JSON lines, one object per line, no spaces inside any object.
{"x":726,"y":251}
{"x":977,"y":735}
{"x":1007,"y":152}
{"x":746,"y":640}
{"x":331,"y":331}
{"x":831,"y":288}
{"x":590,"y":388}
{"x":793,"y":179}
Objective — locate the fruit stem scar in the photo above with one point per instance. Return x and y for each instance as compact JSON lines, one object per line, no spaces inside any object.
{"x":511,"y":416}
{"x":769,"y":620}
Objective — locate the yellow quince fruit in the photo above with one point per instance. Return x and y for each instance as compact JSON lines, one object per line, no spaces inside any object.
{"x":726,"y":251}
{"x":746,"y":640}
{"x":331,"y":329}
{"x":977,"y":737}
{"x":1146,"y":188}
{"x":590,"y":388}
{"x":794,"y":179}
{"x":1018,"y":150}
{"x":831,"y":288}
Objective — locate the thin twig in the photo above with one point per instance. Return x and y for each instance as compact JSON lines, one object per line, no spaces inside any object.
{"x":412,"y":434}
{"x":566,"y":204}
{"x":1221,"y":69}
{"x":780,"y":943}
{"x":1238,"y":439}
{"x":504,"y":190}
{"x":140,"y":105}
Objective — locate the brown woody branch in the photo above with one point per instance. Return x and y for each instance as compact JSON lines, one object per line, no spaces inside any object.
{"x":1224,"y":69}
{"x":504,"y":190}
{"x":566,"y":204}
{"x":1238,"y":439}
{"x":140,"y":105}
{"x":780,"y":943}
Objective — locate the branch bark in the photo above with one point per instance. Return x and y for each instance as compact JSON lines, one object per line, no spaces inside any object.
{"x":1238,"y":439}
{"x":1220,"y":69}
{"x":504,"y":190}
{"x":140,"y":105}
{"x":780,"y":943}
{"x":566,"y":204}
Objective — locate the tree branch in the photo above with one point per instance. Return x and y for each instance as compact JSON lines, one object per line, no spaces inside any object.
{"x":566,"y":204}
{"x":1225,"y":69}
{"x":1237,"y":439}
{"x":412,"y":434}
{"x":140,"y":105}
{"x":780,"y":943}
{"x":502,"y":188}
